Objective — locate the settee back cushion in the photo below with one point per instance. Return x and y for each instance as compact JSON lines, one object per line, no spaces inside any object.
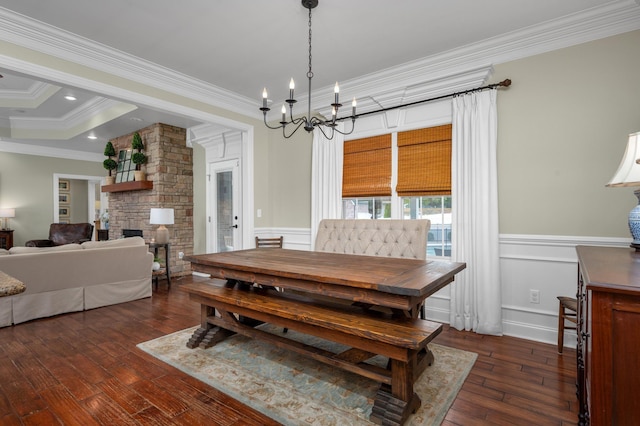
{"x":66,"y":233}
{"x":27,"y":250}
{"x":391,"y":238}
{"x":121,"y":242}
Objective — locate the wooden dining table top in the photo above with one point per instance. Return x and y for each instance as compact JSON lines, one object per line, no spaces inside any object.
{"x":396,"y":276}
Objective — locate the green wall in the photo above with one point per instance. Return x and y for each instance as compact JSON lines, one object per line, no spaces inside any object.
{"x":562,"y":129}
{"x":26,"y":184}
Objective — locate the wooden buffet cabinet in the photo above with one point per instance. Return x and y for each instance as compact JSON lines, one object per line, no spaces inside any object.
{"x":608,"y":335}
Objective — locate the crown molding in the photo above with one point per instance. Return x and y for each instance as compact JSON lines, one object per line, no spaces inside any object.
{"x":23,"y":31}
{"x":22,"y":148}
{"x":32,"y":97}
{"x":454,"y":70}
{"x":97,"y":108}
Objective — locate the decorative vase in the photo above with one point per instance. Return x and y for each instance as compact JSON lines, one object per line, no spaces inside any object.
{"x":155,"y":266}
{"x":139,"y":175}
{"x":634,"y":222}
{"x":111,"y":180}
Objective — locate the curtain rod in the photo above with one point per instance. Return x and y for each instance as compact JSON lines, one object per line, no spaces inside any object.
{"x":503,"y":83}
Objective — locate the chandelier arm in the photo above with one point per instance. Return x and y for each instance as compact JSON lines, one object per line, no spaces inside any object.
{"x":267,"y":124}
{"x":324,"y":134}
{"x":294,"y":130}
{"x":353,"y":126}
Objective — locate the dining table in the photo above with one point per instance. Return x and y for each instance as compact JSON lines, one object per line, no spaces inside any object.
{"x":372,"y":303}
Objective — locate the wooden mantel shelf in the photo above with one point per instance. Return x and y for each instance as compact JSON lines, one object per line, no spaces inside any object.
{"x":128,"y":186}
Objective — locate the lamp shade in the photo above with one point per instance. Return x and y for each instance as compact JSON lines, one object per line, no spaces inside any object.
{"x":161,"y":217}
{"x":628,"y":173}
{"x":7,"y":212}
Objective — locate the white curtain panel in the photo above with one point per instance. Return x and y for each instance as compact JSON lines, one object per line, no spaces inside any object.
{"x":476,"y":293}
{"x":326,"y":179}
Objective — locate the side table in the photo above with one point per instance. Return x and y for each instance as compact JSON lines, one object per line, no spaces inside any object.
{"x":6,"y":238}
{"x":167,"y":255}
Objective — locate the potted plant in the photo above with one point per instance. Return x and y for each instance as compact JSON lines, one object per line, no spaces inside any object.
{"x":110,"y":164}
{"x":138,"y":158}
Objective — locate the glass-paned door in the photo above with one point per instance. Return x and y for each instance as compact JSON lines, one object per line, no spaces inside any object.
{"x":225,"y":211}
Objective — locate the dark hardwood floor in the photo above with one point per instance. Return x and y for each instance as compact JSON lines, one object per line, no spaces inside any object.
{"x":84,"y":369}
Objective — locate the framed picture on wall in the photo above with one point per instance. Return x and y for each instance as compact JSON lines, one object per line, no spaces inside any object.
{"x":63,"y":185}
{"x":64,"y":212}
{"x":64,"y":198}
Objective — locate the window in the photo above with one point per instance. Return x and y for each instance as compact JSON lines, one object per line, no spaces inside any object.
{"x":423,"y":176}
{"x":438,"y":210}
{"x":366,"y":208}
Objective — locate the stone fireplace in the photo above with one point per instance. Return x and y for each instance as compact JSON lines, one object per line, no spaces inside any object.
{"x":170,"y":168}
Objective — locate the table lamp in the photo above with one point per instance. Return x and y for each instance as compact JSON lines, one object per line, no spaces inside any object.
{"x":628,"y":174}
{"x":161,"y":217}
{"x":5,"y":214}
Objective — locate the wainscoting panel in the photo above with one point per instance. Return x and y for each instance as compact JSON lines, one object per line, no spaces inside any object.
{"x":547,"y":264}
{"x":293,"y":238}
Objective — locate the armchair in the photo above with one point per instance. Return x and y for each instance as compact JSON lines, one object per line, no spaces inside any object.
{"x":64,"y":233}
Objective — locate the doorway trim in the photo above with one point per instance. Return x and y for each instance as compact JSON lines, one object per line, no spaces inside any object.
{"x":220,"y":144}
{"x":91,"y":194}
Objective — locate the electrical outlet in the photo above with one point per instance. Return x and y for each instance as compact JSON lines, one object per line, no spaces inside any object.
{"x":180,"y":255}
{"x":534,"y":296}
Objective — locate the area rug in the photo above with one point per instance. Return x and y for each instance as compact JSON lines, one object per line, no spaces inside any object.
{"x":295,"y":390}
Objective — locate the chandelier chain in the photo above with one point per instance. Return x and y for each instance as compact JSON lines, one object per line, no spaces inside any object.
{"x":310,"y":73}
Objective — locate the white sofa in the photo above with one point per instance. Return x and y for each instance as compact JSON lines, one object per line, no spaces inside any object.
{"x":75,"y":277}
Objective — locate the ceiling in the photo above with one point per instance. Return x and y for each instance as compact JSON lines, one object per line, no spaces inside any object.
{"x":241,"y":46}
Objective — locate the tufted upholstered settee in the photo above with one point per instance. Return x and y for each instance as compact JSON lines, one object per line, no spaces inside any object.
{"x":386,"y":237}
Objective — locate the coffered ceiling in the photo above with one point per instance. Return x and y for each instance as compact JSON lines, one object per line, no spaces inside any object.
{"x":234,"y":48}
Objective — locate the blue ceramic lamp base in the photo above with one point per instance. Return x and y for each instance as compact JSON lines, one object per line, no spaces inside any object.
{"x":634,"y":223}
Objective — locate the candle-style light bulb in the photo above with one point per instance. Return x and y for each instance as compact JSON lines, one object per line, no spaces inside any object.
{"x":284,"y":113}
{"x":292,"y":86}
{"x":333,"y":112}
{"x":264,"y":98}
{"x":336,"y":90}
{"x":353,"y":107}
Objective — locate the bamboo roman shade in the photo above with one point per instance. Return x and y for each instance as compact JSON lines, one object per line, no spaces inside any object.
{"x":424,"y":161}
{"x":366,"y":168}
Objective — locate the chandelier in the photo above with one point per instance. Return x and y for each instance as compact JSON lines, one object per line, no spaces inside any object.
{"x":308,"y":122}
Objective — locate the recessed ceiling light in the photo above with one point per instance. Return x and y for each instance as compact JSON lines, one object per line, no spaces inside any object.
{"x":135,"y":119}
{"x":92,"y":137}
{"x":70,"y":98}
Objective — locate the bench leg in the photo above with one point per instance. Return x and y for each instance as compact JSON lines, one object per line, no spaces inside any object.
{"x":394,"y":404}
{"x":207,"y":335}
